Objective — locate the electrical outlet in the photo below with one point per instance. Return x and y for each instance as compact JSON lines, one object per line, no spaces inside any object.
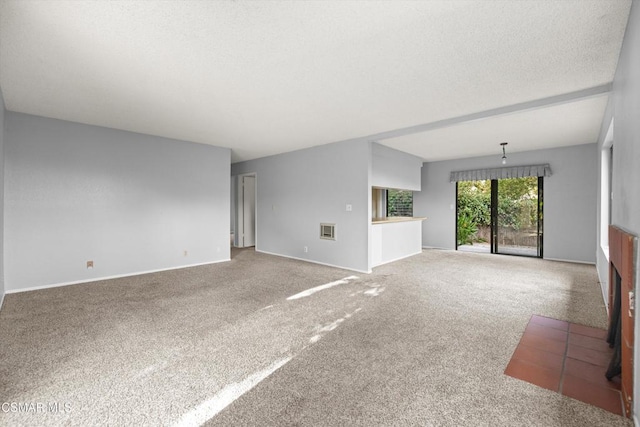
{"x":349,"y":208}
{"x":306,"y":249}
{"x":185,"y":253}
{"x":89,"y":264}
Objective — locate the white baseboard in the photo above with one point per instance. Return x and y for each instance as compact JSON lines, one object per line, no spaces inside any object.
{"x":604,"y":284}
{"x":1,"y":300}
{"x":545,"y":258}
{"x":117,"y":276}
{"x":314,"y":262}
{"x":569,"y":260}
{"x":397,"y":259}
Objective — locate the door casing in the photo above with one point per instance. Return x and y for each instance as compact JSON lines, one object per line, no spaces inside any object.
{"x":247,"y":211}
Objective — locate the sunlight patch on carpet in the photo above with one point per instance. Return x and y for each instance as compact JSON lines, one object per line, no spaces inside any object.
{"x":210,"y":408}
{"x":312,"y":291}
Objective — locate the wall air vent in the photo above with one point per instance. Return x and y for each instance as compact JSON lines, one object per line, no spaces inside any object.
{"x":328,"y":231}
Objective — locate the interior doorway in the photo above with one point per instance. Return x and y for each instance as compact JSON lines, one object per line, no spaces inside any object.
{"x":501,"y":216}
{"x":246,"y":212}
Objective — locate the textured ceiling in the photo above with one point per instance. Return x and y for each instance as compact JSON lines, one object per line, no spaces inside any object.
{"x":269,"y":77}
{"x":555,"y":126}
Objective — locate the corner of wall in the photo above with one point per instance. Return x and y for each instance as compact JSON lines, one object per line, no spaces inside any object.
{"x":284,"y":202}
{"x":169,"y":199}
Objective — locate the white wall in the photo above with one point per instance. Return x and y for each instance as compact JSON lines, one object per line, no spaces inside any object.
{"x":602,"y":253}
{"x":569,"y":199}
{"x":129,"y":202}
{"x":395,"y":240}
{"x":625,"y":109}
{"x":2,"y":114}
{"x":297,"y":191}
{"x":394,"y":169}
{"x":233,"y":205}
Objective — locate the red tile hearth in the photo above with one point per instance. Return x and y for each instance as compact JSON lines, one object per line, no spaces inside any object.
{"x":567,"y":358}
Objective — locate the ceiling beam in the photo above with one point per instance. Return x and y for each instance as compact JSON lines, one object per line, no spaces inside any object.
{"x":495,"y":112}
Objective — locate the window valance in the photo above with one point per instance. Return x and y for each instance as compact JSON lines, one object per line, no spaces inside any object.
{"x":501,"y":173}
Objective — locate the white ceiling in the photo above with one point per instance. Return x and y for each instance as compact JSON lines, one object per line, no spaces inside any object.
{"x":269,"y":77}
{"x":554,"y":126}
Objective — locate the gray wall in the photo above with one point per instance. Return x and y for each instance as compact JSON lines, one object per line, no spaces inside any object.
{"x":569,"y":199}
{"x":394,"y":169}
{"x":2,"y":114}
{"x":625,"y":109}
{"x":297,"y":191}
{"x":129,"y":202}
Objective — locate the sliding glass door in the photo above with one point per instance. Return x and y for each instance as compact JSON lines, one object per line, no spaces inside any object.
{"x":517,"y":216}
{"x":501,"y":216}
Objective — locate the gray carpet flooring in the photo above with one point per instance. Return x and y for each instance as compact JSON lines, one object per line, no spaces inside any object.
{"x":423,"y":341}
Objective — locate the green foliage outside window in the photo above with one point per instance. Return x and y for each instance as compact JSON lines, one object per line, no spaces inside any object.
{"x":467,"y":230}
{"x":474,"y":201}
{"x":399,"y":203}
{"x":517,"y":205}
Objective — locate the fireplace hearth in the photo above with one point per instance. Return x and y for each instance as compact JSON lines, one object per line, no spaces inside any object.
{"x":621,"y":310}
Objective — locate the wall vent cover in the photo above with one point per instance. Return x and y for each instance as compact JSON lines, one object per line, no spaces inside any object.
{"x":328,"y":231}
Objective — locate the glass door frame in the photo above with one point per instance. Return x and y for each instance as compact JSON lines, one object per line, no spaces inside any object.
{"x":494,"y":219}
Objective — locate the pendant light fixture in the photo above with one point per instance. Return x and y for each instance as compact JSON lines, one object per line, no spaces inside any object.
{"x":504,"y":155}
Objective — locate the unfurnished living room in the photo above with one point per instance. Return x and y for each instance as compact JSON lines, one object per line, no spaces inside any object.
{"x":273,"y":213}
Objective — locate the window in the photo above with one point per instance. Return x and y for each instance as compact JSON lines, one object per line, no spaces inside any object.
{"x":399,"y":203}
{"x":606,"y":178}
